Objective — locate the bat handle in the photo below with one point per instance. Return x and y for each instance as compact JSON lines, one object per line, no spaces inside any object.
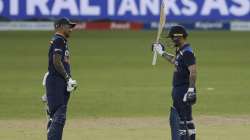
{"x":154,"y":58}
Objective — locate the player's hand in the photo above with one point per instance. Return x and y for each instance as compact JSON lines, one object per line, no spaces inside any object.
{"x":71,"y":85}
{"x":44,"y":98}
{"x":159,"y":48}
{"x":190,"y":96}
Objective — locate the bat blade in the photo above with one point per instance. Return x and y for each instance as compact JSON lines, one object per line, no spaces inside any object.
{"x":162,"y":22}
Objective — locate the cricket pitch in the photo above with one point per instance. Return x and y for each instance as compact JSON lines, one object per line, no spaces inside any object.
{"x":148,"y":128}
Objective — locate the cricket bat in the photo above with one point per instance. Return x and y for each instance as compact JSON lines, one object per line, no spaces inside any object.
{"x":160,"y":29}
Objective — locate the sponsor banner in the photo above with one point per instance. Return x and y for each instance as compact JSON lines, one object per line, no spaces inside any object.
{"x":126,"y":10}
{"x":29,"y":26}
{"x":193,"y":26}
{"x":46,"y":26}
{"x":240,"y":26}
{"x":109,"y":26}
{"x":154,"y":25}
{"x":212,"y":25}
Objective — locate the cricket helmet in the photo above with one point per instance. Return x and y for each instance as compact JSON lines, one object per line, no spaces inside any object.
{"x":64,"y":21}
{"x":177,"y":31}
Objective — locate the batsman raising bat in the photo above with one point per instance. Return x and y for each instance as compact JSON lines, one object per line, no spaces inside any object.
{"x":184,"y":77}
{"x":160,"y":28}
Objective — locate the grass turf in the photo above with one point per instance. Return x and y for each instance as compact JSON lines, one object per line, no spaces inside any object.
{"x":208,"y":128}
{"x":115,"y":76}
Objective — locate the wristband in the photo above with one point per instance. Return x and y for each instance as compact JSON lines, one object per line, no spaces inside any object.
{"x":190,"y":89}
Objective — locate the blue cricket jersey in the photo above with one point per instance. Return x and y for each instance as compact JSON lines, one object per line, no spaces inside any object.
{"x":58,"y":45}
{"x":184,"y":58}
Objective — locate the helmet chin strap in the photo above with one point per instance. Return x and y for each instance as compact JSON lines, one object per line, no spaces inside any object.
{"x":176,"y":41}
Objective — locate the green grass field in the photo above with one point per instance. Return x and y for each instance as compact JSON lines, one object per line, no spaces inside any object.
{"x":116,"y":80}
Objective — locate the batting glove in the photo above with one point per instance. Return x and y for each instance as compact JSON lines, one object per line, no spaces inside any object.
{"x":159,"y":48}
{"x":44,"y":98}
{"x":190,"y":96}
{"x":71,"y":85}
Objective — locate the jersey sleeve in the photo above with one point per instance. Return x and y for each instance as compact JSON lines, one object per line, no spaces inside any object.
{"x":58,"y":46}
{"x":189,"y":58}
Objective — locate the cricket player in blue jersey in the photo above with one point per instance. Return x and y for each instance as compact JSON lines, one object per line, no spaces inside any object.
{"x":184,"y":78}
{"x":59,"y":83}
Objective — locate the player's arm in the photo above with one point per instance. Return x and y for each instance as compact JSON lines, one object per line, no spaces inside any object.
{"x":58,"y":47}
{"x":190,"y":96}
{"x":71,"y":84}
{"x":159,"y":48}
{"x":169,"y":57}
{"x":59,"y":66}
{"x":192,"y":75}
{"x":189,"y":60}
{"x":57,"y":57}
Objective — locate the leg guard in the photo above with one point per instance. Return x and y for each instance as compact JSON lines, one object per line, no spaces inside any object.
{"x":174,"y":124}
{"x":191,"y":130}
{"x":49,"y":118}
{"x":56,"y":127}
{"x":184,"y":132}
{"x":187,"y":130}
{"x":49,"y":123}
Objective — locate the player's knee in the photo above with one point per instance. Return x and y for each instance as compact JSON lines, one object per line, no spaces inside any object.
{"x":191,"y":129}
{"x":187,"y":129}
{"x":55,"y":128}
{"x":60,"y":115}
{"x":174,"y":124}
{"x":181,"y":130}
{"x":60,"y":119}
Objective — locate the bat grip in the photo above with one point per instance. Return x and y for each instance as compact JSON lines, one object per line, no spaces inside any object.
{"x":154,"y":58}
